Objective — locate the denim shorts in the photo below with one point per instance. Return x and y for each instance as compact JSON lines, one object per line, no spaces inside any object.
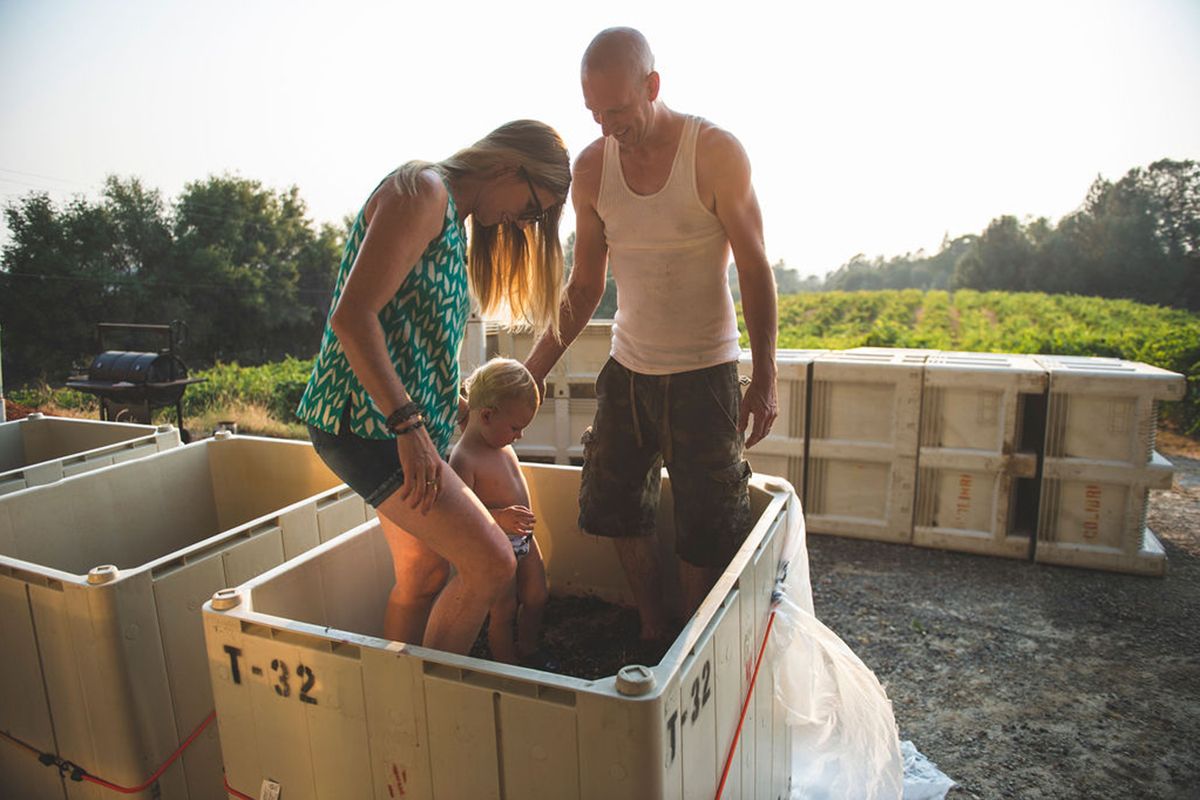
{"x":371,"y":467}
{"x":688,"y":422}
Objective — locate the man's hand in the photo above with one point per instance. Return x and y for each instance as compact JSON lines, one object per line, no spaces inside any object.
{"x":759,"y":400}
{"x":541,"y":387}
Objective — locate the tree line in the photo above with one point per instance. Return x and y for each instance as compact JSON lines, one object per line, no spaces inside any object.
{"x":1137,"y":238}
{"x":240,"y":264}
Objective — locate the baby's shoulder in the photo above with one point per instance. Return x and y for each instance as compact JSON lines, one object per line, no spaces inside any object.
{"x":461,"y":457}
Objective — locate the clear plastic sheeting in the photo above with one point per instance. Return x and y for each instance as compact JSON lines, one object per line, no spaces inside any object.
{"x":845,"y":743}
{"x":922,"y":779}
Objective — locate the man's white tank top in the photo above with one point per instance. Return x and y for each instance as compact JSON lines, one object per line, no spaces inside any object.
{"x":669,"y":255}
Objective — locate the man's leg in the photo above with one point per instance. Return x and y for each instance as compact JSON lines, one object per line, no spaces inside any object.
{"x":619,"y":488}
{"x":639,"y":560}
{"x":708,"y":477}
{"x":696,"y":583}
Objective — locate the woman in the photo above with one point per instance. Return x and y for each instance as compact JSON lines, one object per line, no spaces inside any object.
{"x":383,"y":395}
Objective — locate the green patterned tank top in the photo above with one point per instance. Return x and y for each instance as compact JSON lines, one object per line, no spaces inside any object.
{"x":423,"y":326}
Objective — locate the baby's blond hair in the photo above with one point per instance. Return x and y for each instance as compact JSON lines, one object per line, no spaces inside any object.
{"x":499,"y":381}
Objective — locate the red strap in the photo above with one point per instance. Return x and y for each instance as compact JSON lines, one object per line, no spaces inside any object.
{"x":745,"y":705}
{"x":158,"y":773}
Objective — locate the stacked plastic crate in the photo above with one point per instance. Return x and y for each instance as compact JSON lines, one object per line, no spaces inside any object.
{"x":980,"y":418}
{"x":862,"y":443}
{"x":1099,"y":463}
{"x":782,"y":452}
{"x":570,"y":402}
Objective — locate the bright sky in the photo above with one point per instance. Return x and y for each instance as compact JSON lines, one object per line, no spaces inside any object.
{"x":872,"y":127}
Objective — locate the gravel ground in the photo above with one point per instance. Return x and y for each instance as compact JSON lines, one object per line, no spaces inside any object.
{"x":1029,"y":681}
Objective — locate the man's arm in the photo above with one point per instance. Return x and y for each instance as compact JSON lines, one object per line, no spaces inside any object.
{"x":736,"y":206}
{"x":586,"y":285}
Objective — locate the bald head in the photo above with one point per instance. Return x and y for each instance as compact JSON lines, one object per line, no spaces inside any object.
{"x":622,"y":49}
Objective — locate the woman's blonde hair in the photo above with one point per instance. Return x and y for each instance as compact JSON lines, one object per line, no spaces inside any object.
{"x":514,"y":270}
{"x":499,"y":381}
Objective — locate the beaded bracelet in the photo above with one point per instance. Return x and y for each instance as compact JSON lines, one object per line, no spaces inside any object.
{"x":420,"y":423}
{"x":401,"y":415}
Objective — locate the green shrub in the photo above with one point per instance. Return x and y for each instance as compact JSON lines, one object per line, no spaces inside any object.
{"x":1001,"y":322}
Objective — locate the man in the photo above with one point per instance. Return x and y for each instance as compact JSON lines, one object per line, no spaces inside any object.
{"x":663,"y":198}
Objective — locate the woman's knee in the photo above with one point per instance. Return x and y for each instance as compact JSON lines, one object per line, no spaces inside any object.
{"x":421,"y":577}
{"x":492,"y":568}
{"x":429,"y":580}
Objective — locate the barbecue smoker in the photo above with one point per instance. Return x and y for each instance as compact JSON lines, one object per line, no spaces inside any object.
{"x":131,"y":384}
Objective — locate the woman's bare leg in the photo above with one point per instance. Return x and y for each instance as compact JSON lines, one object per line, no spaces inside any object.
{"x":459,"y":529}
{"x":420,"y":575}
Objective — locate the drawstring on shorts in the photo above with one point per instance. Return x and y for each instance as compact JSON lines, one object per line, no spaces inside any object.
{"x":666,"y":415}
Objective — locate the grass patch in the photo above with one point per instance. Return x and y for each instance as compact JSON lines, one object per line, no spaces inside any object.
{"x":252,"y":419}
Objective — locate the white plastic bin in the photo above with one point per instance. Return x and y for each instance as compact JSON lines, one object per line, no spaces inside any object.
{"x":862,"y":443}
{"x":782,"y":451}
{"x":38,"y":449}
{"x":556,"y":433}
{"x":1106,"y":409}
{"x":976,"y":458}
{"x":308,"y":694}
{"x":580,"y":363}
{"x":1099,"y":463}
{"x":101,"y":581}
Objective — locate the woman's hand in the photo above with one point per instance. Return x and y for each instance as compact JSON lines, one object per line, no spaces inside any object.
{"x":514,"y":520}
{"x":422,"y":468}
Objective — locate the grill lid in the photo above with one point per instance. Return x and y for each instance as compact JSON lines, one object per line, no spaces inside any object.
{"x":125,"y":366}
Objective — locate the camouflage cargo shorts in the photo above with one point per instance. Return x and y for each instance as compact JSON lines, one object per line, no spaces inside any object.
{"x":687,"y":421}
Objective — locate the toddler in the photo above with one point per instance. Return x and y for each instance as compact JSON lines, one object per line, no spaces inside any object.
{"x":502,"y":399}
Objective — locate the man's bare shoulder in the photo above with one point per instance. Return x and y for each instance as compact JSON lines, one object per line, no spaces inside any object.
{"x":588,"y":167}
{"x":590,"y":162}
{"x":592,"y":156}
{"x":718,"y":144}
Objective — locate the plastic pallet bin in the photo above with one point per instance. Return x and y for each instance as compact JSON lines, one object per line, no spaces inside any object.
{"x":556,"y":432}
{"x":580,"y":363}
{"x":588,"y":353}
{"x":569,"y":407}
{"x":1099,"y":463}
{"x":862,"y":443}
{"x":981,"y":416}
{"x":102,"y":577}
{"x":38,"y":449}
{"x":1106,"y":409}
{"x":782,"y":451}
{"x":310,"y":697}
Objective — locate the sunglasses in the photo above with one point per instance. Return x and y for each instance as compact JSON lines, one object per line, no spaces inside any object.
{"x":534,"y":212}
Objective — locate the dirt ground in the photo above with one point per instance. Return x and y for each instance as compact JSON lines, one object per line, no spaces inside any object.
{"x":1021,"y":680}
